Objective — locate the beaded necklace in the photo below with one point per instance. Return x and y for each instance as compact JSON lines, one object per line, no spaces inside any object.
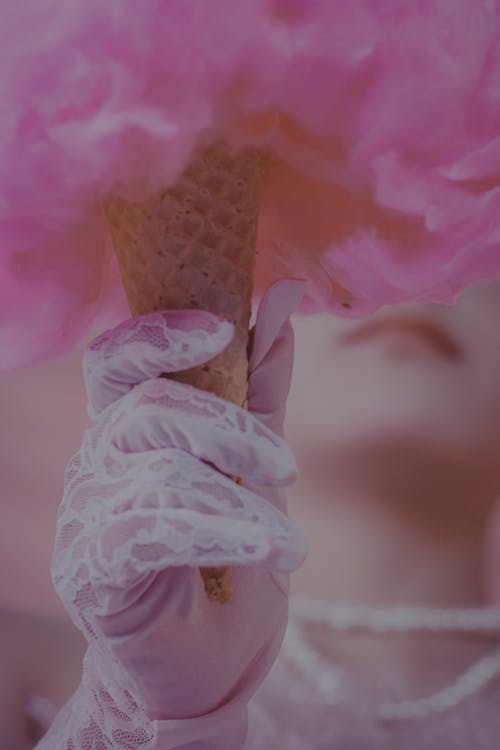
{"x":392,"y":620}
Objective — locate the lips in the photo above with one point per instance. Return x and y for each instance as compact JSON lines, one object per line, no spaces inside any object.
{"x":428,"y":330}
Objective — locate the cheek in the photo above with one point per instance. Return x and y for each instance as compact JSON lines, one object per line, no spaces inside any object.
{"x":345,"y":402}
{"x":340,"y":397}
{"x":467,"y":424}
{"x":312,"y":386}
{"x":483,"y":412}
{"x":318,"y":401}
{"x":369,"y":402}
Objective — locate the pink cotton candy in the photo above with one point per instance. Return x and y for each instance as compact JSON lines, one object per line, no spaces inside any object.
{"x":382,"y":118}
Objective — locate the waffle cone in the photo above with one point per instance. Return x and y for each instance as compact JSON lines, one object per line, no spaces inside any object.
{"x":192,"y":246}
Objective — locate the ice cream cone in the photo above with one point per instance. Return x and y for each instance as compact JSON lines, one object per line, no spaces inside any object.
{"x":192,"y":246}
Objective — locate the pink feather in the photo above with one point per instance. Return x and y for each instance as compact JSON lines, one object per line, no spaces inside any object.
{"x":382,"y":118}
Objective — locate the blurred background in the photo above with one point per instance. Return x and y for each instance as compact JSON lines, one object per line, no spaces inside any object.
{"x":42,"y":417}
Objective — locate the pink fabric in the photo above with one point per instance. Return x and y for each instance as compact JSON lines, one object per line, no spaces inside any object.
{"x":382,"y":119}
{"x":148,"y":500}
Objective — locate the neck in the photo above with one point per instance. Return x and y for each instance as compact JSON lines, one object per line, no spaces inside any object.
{"x":378,"y":549}
{"x":375,"y":543}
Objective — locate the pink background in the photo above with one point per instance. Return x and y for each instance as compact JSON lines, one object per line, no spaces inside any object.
{"x":42,"y":416}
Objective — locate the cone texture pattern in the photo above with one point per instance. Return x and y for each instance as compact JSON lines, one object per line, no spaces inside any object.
{"x":192,"y":246}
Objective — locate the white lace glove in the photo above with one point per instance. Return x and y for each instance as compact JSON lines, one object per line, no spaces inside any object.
{"x":148,"y":500}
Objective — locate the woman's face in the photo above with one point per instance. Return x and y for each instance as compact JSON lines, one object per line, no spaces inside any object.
{"x":422,"y":377}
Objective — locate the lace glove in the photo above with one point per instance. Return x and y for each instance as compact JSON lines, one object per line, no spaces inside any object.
{"x":149,"y":500}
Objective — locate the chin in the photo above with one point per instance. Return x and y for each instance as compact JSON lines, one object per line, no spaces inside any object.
{"x":389,"y":431}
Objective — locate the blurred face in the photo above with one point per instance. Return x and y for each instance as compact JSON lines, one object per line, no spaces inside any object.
{"x":413,"y":381}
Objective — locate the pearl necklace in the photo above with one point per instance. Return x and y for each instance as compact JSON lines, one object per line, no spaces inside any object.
{"x":387,"y":620}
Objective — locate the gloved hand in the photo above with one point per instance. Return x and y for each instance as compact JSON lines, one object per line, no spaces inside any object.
{"x":148,"y":501}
